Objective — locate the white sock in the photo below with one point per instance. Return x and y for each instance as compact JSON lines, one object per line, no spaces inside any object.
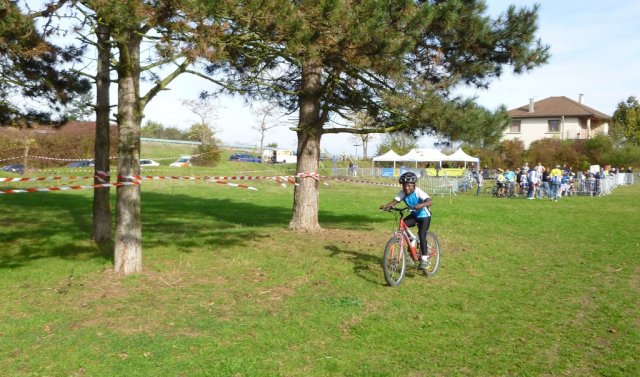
{"x":424,"y":257}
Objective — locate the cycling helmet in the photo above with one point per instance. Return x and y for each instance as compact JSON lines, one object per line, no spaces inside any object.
{"x":408,"y":177}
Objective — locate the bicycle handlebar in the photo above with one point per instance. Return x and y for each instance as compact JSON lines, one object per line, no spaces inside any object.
{"x":396,"y":209}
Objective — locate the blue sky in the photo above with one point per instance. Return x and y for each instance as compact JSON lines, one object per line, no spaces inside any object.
{"x":595,"y":50}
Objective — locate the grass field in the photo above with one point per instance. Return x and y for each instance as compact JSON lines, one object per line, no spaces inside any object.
{"x":525,"y":288}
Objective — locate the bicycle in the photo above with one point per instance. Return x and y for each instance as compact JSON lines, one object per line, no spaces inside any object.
{"x":541,"y":191}
{"x":404,"y":244}
{"x":498,"y":192}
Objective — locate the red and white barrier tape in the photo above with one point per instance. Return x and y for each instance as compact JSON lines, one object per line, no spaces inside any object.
{"x":65,"y":188}
{"x":65,"y":159}
{"x":278,"y":179}
{"x":233,"y":184}
{"x":10,"y":158}
{"x":35,"y":179}
{"x":102,"y":176}
{"x":360,"y":181}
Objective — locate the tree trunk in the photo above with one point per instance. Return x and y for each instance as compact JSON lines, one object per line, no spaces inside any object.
{"x":128,"y":242}
{"x":101,"y":204}
{"x":305,"y":196}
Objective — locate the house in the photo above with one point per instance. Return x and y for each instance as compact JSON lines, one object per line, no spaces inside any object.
{"x":555,"y":117}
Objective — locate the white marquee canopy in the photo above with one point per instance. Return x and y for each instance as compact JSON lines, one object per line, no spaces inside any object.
{"x":427,"y":155}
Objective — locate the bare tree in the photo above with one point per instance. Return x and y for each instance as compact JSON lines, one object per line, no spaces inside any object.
{"x":362,"y":121}
{"x":203,"y":108}
{"x":268,"y":119}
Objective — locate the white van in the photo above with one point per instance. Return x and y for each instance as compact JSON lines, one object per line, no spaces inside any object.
{"x":279,"y":156}
{"x":182,"y":162}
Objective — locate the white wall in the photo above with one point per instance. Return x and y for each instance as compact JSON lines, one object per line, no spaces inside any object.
{"x":537,"y":128}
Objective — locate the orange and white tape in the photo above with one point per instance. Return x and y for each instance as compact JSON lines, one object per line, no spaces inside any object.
{"x":10,"y":158}
{"x":35,"y":179}
{"x":360,"y":181}
{"x":66,"y":188}
{"x":233,"y":185}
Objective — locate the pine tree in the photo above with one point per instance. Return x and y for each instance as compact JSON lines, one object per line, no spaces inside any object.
{"x":33,"y":71}
{"x":398,"y":61}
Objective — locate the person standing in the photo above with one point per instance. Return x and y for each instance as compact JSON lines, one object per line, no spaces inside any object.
{"x":510,"y":181}
{"x":544,"y":181}
{"x":556,"y":177}
{"x":532,"y":181}
{"x":480,"y":181}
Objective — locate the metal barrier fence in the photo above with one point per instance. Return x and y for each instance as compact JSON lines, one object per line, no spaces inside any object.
{"x":454,"y":185}
{"x":603,"y":186}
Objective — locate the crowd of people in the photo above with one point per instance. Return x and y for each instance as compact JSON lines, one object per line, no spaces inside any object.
{"x":553,"y":183}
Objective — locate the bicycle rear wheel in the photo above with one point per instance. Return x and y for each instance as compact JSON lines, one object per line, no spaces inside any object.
{"x":393,"y":263}
{"x":433,"y":254}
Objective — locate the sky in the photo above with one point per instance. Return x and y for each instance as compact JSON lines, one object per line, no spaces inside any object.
{"x":594,"y":47}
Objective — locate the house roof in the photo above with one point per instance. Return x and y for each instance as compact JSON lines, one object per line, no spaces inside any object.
{"x":556,"y":107}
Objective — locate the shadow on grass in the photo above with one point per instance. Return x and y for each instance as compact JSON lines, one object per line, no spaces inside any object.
{"x":36,"y":226}
{"x":361,"y":262}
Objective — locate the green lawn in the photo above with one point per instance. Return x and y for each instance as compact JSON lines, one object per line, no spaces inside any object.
{"x":525,"y":288}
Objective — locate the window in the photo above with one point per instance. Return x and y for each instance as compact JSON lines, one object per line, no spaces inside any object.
{"x":554,"y":125}
{"x":515,"y":126}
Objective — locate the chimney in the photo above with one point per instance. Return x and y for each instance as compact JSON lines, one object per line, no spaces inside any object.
{"x":580,"y":97}
{"x":530,"y":105}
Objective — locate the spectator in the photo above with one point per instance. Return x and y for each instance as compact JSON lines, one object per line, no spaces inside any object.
{"x":556,"y":177}
{"x":500,"y":182}
{"x":532,"y":181}
{"x":480,"y":180}
{"x":355,"y":169}
{"x":510,"y":181}
{"x":544,"y":180}
{"x":564,"y":185}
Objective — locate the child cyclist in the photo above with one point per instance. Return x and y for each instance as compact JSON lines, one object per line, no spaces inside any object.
{"x":419,"y":202}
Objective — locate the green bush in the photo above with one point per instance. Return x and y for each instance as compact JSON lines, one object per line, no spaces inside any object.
{"x":206,"y":155}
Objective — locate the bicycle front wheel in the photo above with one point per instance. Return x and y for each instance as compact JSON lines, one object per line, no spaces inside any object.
{"x":433,"y":254}
{"x":393,"y":262}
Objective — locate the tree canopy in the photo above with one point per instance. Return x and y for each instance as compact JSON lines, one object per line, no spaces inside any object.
{"x":34,"y":85}
{"x":625,"y":125}
{"x":397,"y":61}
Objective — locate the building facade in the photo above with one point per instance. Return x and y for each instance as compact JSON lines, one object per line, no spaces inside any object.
{"x":555,"y":117}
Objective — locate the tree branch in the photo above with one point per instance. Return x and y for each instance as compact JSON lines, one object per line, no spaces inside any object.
{"x":162,"y":84}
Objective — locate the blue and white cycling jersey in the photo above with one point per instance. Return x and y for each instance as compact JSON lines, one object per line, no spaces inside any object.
{"x":416,"y":197}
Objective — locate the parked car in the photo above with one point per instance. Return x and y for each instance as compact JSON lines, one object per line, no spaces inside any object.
{"x":242,"y":157}
{"x":14,"y":168}
{"x":148,"y":162}
{"x":80,"y":164}
{"x":182,"y":162}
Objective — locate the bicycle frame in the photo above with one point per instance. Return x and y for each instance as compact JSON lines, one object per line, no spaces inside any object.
{"x":404,"y":233}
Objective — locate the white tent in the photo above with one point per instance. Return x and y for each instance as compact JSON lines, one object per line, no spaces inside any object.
{"x":388,"y":157}
{"x":431,"y":155}
{"x":412,"y":156}
{"x":459,"y":155}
